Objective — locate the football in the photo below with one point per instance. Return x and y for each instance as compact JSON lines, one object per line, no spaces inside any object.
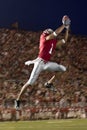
{"x":66,"y":20}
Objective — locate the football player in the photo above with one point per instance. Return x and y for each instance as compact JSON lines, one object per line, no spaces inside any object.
{"x":48,"y":42}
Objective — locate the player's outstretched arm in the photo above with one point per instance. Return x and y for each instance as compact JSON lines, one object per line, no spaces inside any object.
{"x":63,"y":41}
{"x":55,"y":33}
{"x":65,"y":24}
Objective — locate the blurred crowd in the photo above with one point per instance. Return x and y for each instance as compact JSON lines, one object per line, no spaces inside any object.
{"x":38,"y":102}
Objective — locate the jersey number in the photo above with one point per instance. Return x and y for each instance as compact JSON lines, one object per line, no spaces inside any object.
{"x":51,"y":49}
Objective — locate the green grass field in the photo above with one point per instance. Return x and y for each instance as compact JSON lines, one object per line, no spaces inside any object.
{"x":68,"y":124}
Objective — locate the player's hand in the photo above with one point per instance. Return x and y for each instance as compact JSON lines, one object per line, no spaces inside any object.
{"x":66,"y":21}
{"x":67,"y":27}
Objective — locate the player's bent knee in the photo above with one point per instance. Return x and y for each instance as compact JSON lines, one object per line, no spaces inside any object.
{"x":63,"y":68}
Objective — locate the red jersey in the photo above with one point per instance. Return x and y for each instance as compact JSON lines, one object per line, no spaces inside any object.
{"x":46,"y":47}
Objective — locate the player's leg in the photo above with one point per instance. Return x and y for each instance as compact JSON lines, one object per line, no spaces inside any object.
{"x":53,"y":66}
{"x":38,"y":67}
{"x":17,"y":101}
{"x":51,"y":80}
{"x":49,"y":84}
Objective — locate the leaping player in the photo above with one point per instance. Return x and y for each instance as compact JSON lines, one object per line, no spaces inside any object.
{"x":48,"y":43}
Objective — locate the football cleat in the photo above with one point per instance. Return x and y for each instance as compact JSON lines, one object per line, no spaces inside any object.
{"x":17,"y":104}
{"x":50,"y":86}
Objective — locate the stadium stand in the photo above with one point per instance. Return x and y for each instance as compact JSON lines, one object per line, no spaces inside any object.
{"x":70,"y":101}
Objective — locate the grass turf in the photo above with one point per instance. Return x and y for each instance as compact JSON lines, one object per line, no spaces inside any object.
{"x":68,"y":124}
